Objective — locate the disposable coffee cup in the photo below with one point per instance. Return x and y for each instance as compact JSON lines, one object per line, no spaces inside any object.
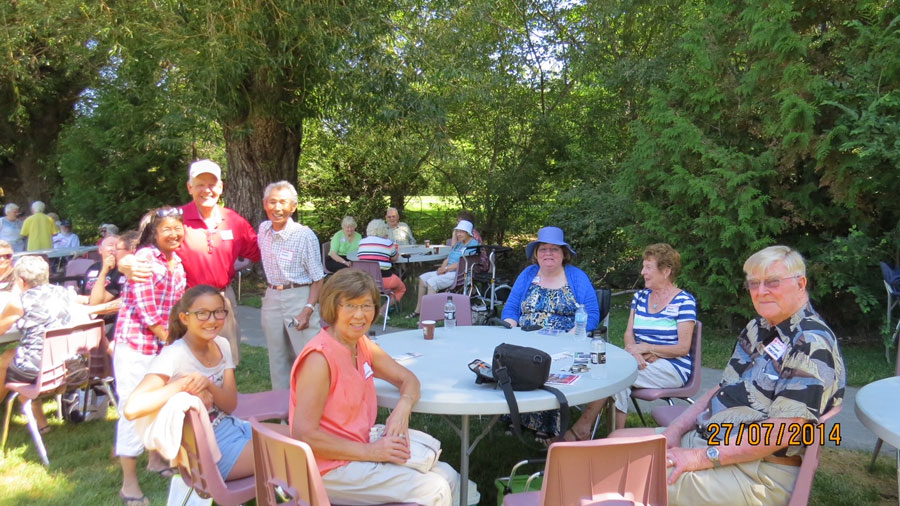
{"x":437,"y":249}
{"x":428,"y":329}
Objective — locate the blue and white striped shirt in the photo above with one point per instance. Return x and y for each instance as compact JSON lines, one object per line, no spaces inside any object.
{"x":662,"y":328}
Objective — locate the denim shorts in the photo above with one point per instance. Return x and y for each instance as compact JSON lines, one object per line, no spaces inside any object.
{"x":232,"y":435}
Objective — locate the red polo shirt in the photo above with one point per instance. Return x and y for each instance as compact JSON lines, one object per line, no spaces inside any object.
{"x":208,"y":254}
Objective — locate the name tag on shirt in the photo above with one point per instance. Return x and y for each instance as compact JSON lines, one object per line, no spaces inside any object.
{"x":226,"y":235}
{"x":286,"y":256}
{"x":367,"y":370}
{"x":671,"y":310}
{"x":776,"y":349}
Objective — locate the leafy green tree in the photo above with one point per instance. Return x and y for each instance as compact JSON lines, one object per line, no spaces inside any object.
{"x":756,"y":138}
{"x":50,"y":52}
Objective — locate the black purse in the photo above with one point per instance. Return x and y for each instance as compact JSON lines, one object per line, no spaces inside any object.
{"x":520,"y":368}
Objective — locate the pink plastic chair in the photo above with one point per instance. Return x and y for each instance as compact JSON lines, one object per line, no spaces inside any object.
{"x":59,"y":345}
{"x":374,"y":269}
{"x":691,"y":388}
{"x":75,"y":271}
{"x":804,"y":483}
{"x":433,"y":308}
{"x":270,"y":405}
{"x":628,"y":470}
{"x":326,"y":248}
{"x":201,"y":473}
{"x":286,"y":470}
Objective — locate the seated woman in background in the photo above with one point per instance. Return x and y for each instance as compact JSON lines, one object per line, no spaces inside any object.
{"x":42,"y":307}
{"x":660,"y":326}
{"x":445,"y":275}
{"x":546,"y":294}
{"x":7,"y":279}
{"x":378,"y":247}
{"x":333,"y":406}
{"x":198,"y":360}
{"x":343,"y":242}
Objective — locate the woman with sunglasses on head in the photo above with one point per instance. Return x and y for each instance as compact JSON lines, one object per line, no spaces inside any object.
{"x":141,"y":330}
{"x":198,"y":360}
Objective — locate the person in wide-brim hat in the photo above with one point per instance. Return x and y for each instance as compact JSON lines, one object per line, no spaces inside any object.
{"x":546,"y":294}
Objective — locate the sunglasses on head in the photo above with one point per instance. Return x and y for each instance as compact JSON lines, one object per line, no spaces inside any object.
{"x":165,"y":213}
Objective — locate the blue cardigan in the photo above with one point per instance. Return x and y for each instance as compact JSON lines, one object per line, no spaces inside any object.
{"x":578,"y":281}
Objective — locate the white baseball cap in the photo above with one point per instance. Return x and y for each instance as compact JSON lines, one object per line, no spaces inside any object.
{"x":205,"y":167}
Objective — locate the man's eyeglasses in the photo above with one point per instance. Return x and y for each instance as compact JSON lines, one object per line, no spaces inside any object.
{"x":367,"y":308}
{"x":6,"y":256}
{"x":165,"y":213}
{"x":771,"y":284}
{"x":203,"y":315}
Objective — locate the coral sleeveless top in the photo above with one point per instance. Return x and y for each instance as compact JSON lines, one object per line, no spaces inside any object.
{"x":351,"y":407}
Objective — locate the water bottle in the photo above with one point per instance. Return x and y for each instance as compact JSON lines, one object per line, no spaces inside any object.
{"x":598,"y":357}
{"x":449,"y":314}
{"x":580,"y":323}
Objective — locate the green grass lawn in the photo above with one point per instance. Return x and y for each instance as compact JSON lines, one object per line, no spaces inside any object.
{"x":83,"y":471}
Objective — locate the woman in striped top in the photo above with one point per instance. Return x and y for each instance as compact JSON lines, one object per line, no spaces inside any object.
{"x":378,"y":247}
{"x":659,"y":332}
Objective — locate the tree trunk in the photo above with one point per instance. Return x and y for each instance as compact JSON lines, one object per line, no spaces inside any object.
{"x":260,"y":150}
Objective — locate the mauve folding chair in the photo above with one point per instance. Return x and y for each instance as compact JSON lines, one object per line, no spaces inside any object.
{"x":201,"y":473}
{"x":286,"y":470}
{"x":691,"y":388}
{"x":59,"y":345}
{"x":628,"y":470}
{"x":433,"y":308}
{"x":374,"y":269}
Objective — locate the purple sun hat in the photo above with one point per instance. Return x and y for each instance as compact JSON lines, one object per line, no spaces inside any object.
{"x":548,"y":235}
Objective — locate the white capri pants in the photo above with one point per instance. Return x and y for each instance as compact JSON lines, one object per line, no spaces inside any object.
{"x":382,"y":482}
{"x":659,"y":374}
{"x":129,"y":367}
{"x":437,"y":281}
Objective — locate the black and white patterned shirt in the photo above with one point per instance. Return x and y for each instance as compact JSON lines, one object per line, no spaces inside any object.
{"x":45,"y":307}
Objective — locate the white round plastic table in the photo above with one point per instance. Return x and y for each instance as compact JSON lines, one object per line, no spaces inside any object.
{"x":877,"y":408}
{"x":448,"y":386}
{"x":417,"y":254}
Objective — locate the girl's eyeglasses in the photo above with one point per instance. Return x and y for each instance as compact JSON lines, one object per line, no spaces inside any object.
{"x":203,"y":315}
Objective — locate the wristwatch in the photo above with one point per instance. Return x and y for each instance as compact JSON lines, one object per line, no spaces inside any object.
{"x":310,"y":306}
{"x":712,"y":453}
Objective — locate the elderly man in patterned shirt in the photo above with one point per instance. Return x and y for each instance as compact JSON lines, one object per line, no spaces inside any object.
{"x":786,"y":371}
{"x":292,"y":260}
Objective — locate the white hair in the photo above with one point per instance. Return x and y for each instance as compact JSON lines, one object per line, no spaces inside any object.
{"x":281,"y":185}
{"x":32,"y":270}
{"x":764,"y":258}
{"x":10,"y":207}
{"x":348,"y":221}
{"x":37,"y":206}
{"x":377,"y":228}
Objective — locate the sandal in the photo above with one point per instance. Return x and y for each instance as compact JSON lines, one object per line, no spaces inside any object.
{"x":571,"y":435}
{"x":543,"y":438}
{"x":134,"y":501}
{"x":412,"y":315}
{"x":167,"y":472}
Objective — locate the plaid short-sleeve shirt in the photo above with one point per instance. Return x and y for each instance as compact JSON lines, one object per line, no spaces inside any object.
{"x":147,"y":304}
{"x":806,"y":381}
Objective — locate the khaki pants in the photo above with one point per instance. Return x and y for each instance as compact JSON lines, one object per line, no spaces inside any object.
{"x":284,"y":341}
{"x":231,"y":330}
{"x":756,"y":483}
{"x":383,"y":482}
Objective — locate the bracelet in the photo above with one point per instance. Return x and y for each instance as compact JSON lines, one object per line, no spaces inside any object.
{"x":310,"y":306}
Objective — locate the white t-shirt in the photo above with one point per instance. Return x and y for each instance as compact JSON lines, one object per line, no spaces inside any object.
{"x":177,"y":359}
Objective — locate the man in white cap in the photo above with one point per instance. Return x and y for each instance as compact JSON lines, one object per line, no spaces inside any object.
{"x":214,"y":237}
{"x":443,"y":277}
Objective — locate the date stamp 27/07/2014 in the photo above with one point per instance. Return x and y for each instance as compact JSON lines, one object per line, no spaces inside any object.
{"x":766,"y":433}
